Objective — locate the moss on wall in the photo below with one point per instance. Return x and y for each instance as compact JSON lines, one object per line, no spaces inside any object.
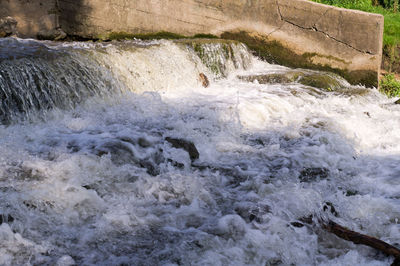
{"x":121,"y":35}
{"x":275,"y":52}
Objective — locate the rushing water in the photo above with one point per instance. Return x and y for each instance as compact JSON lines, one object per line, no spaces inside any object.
{"x":88,"y":176}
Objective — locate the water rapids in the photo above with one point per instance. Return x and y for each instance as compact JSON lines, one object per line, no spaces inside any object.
{"x":95,"y":167}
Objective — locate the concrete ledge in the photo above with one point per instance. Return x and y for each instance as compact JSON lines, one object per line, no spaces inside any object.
{"x":315,"y":36}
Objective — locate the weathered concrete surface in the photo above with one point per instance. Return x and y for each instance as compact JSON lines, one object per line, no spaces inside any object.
{"x":8,"y":27}
{"x":314,"y":36}
{"x":33,"y":16}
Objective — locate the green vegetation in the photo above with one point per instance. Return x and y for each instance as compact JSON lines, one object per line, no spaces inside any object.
{"x":390,"y":86}
{"x":391,"y":36}
{"x":387,"y":8}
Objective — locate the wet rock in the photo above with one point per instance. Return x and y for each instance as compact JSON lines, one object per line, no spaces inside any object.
{"x":23,"y":172}
{"x":120,"y":152}
{"x":297,"y":224}
{"x":8,"y":27}
{"x":29,"y":205}
{"x":351,"y":192}
{"x":274,"y":262}
{"x":313,"y":174}
{"x":307,"y":219}
{"x":321,"y":81}
{"x":144,"y":143}
{"x":53,"y":35}
{"x":236,"y":174}
{"x":267,"y":78}
{"x":150,"y":167}
{"x":328,"y":206}
{"x":250,"y":213}
{"x":204,"y":80}
{"x":88,"y":187}
{"x":176,"y":164}
{"x":185,"y":145}
{"x":6,"y":218}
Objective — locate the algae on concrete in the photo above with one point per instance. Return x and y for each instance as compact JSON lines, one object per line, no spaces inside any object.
{"x":121,"y":35}
{"x":276,"y":53}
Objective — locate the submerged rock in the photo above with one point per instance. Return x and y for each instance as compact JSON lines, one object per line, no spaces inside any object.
{"x":321,"y":81}
{"x":250,"y":213}
{"x":6,"y":218}
{"x":328,"y":206}
{"x":312,"y":174}
{"x":53,"y":35}
{"x":269,"y":78}
{"x":186,"y":145}
{"x":8,"y":27}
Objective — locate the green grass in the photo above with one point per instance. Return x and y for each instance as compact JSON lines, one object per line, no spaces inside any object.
{"x":390,"y":86}
{"x":391,"y":34}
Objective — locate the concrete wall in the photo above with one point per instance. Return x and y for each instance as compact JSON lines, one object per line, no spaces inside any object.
{"x":347,"y":42}
{"x":33,"y":16}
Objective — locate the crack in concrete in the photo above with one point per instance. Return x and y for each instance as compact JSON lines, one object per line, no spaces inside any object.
{"x":314,"y":28}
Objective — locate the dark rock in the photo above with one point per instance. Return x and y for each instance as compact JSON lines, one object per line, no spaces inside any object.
{"x":321,"y":81}
{"x":120,"y":152}
{"x":29,"y":205}
{"x":396,"y":262}
{"x":144,"y":143}
{"x":274,"y":262}
{"x":6,"y":218}
{"x":250,"y":213}
{"x":8,"y":27}
{"x":312,"y":174}
{"x":307,"y":219}
{"x":176,"y":164}
{"x":186,"y":145}
{"x":53,"y":35}
{"x":297,"y":224}
{"x":88,"y":187}
{"x":397,"y":102}
{"x":367,"y":114}
{"x":351,"y":192}
{"x":328,"y":206}
{"x":204,"y":80}
{"x":267,"y":78}
{"x":151,"y":169}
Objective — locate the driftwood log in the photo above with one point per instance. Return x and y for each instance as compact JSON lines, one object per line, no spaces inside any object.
{"x":358,"y":238}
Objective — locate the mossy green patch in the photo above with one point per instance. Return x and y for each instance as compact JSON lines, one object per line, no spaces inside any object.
{"x":390,"y":86}
{"x":320,"y":81}
{"x":143,"y":36}
{"x":204,"y":36}
{"x":152,"y":36}
{"x":274,"y":52}
{"x":267,"y":78}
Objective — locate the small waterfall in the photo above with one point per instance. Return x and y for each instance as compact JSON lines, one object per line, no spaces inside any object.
{"x":222,"y":57}
{"x":39,"y":76}
{"x":140,"y":164}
